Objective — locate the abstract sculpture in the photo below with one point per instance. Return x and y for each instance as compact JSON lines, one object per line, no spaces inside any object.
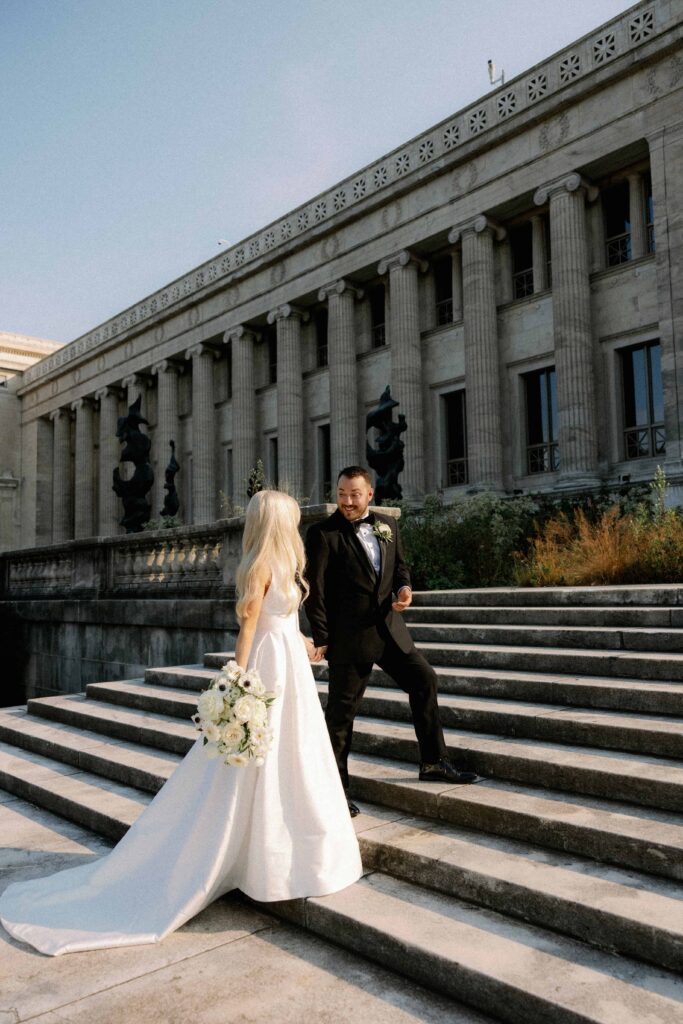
{"x":171,"y":501}
{"x":386,"y":458}
{"x":136,"y":450}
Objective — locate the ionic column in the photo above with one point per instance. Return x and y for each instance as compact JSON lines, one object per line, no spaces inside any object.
{"x":341,"y":350}
{"x":61,"y":476}
{"x":204,"y":492}
{"x":456,"y":271}
{"x":576,"y":418}
{"x":244,"y":441}
{"x":135,"y":385}
{"x":406,"y":362}
{"x":540,"y":256}
{"x":290,"y":415}
{"x":637,"y":216}
{"x":84,"y":504}
{"x":482,"y":372}
{"x":109,"y":456}
{"x":167,"y":424}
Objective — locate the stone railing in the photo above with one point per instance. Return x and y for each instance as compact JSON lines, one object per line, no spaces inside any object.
{"x":197,"y":561}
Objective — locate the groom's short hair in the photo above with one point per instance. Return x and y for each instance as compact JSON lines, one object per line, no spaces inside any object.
{"x":351,"y":471}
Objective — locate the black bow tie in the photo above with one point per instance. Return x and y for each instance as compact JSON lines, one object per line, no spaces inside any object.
{"x":357,"y":523}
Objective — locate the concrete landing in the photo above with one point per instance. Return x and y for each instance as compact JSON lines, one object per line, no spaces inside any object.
{"x":232,"y":964}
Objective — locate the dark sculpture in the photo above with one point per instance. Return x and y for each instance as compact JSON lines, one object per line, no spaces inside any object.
{"x":136,"y":450}
{"x":386,"y":458}
{"x":171,"y":501}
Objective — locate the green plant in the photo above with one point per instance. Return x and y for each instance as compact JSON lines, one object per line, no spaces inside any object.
{"x":257,"y":479}
{"x":227,"y":507}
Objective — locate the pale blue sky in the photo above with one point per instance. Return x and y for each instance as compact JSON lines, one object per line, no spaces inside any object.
{"x":136,"y":133}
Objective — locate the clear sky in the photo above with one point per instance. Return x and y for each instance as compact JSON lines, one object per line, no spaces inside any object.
{"x":136,"y":133}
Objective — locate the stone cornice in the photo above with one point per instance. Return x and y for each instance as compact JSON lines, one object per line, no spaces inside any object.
{"x":401,"y":259}
{"x":285,"y":311}
{"x":610,"y":49}
{"x":477,"y":225}
{"x":567,"y":183}
{"x":338,"y":288}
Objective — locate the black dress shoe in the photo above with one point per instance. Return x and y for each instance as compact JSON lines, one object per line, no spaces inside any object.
{"x":444,"y":771}
{"x":353,"y":810}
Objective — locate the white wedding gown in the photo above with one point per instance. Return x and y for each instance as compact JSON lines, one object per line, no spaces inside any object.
{"x":276,"y":832}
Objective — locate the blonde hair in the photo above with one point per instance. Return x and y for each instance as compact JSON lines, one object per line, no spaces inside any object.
{"x":271,"y":540}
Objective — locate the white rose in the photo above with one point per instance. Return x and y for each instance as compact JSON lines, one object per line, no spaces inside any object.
{"x":257,"y":687}
{"x":231,"y":671}
{"x":244,"y":708}
{"x":210,"y":704}
{"x":232,"y":734}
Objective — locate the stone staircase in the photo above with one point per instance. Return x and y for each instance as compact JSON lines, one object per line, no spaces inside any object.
{"x":550,"y":891}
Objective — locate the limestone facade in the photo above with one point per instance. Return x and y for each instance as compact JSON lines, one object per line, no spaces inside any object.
{"x":513,"y":273}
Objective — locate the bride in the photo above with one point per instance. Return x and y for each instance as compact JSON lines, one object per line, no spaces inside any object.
{"x":275,"y":832}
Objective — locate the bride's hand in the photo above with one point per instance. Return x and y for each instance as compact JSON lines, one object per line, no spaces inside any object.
{"x":310,"y":647}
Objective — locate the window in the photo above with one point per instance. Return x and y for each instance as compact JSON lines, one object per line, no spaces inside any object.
{"x":272,"y":461}
{"x":542,"y":454}
{"x":521,"y":245}
{"x":616,"y":213}
{"x":229,"y":372}
{"x":321,"y":322}
{"x":271,"y":342}
{"x":455,"y":421}
{"x":325,"y":462}
{"x":641,"y":375}
{"x":649,"y":212}
{"x":443,"y":288}
{"x":377,"y":316}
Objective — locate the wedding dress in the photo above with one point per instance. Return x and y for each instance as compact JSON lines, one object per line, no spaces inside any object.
{"x":275,"y":832}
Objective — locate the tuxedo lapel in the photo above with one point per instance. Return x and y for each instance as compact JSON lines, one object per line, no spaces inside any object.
{"x":384,"y":559}
{"x":352,"y":542}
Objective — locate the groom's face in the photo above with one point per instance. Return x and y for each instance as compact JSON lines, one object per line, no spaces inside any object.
{"x":353,"y":496}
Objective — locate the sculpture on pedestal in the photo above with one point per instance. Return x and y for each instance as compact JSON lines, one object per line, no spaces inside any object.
{"x":386,"y":458}
{"x":136,"y":450}
{"x":171,"y":501}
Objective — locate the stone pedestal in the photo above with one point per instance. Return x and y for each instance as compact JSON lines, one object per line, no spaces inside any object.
{"x":406,"y":363}
{"x":166,"y":430}
{"x":290,"y":415}
{"x":109,"y":510}
{"x":84,"y":497}
{"x":576,"y":418}
{"x":341,"y":349}
{"x":62,"y":497}
{"x":482,"y":372}
{"x":204,"y":491}
{"x":244,"y":444}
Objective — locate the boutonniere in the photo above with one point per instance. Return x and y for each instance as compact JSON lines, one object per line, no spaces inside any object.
{"x":382,"y":532}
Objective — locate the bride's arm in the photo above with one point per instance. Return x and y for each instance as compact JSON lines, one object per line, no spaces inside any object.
{"x":245,"y":637}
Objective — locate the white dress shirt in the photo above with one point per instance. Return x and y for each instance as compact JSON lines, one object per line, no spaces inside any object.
{"x":368,"y":539}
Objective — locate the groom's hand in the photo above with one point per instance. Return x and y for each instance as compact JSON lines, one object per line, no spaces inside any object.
{"x":318,"y":654}
{"x":404,"y":599}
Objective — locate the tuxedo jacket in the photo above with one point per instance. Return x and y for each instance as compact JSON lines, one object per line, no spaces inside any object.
{"x":349,"y":605}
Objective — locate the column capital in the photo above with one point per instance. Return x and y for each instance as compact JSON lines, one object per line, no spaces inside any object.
{"x":401,"y":259}
{"x":106,"y":391}
{"x":238,"y":332}
{"x":338,"y":288}
{"x":166,"y":366}
{"x":567,"y":183}
{"x":201,"y":349}
{"x":287,"y":310}
{"x":57,"y":413}
{"x":82,"y":403}
{"x":132,"y":379}
{"x":477,"y":225}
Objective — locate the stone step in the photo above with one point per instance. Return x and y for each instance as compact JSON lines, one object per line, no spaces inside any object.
{"x":163,"y":732}
{"x":616,"y":596}
{"x":658,"y":735}
{"x":172,"y":700}
{"x":183,"y":677}
{"x":592,"y":638}
{"x":119,"y":760}
{"x":624,"y":912}
{"x":646,"y":696}
{"x":612,"y":775}
{"x":605,"y":831}
{"x":96,"y":803}
{"x":658,"y":617}
{"x":515,"y":971}
{"x":517,"y":657}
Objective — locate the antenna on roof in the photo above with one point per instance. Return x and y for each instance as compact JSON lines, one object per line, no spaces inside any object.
{"x":492,"y":75}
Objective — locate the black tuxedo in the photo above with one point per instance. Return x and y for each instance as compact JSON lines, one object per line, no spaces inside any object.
{"x":349,"y":609}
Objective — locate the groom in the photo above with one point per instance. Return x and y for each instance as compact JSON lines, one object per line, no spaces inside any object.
{"x":355,"y":566}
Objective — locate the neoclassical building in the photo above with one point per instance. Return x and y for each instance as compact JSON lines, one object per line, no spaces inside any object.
{"x":514,"y":273}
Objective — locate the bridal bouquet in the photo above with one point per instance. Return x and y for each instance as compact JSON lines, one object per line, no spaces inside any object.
{"x":232,"y":716}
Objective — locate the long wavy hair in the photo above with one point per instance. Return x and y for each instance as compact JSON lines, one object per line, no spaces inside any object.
{"x":271,"y":541}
